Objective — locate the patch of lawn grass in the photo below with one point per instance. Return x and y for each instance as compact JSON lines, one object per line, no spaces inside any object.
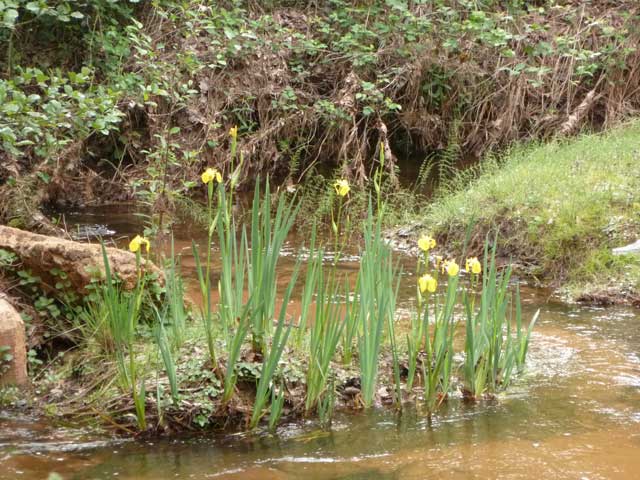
{"x":560,"y":208}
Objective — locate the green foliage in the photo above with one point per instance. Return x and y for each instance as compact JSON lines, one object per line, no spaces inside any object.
{"x":5,"y":359}
{"x":326,"y":331}
{"x":115,"y":315}
{"x":491,"y":353}
{"x":272,"y":356}
{"x":7,"y":259}
{"x":164,"y":347}
{"x":143,"y":77}
{"x":174,"y":300}
{"x":268,"y":234}
{"x":376,"y":302}
{"x":43,"y":112}
{"x":439,"y":328}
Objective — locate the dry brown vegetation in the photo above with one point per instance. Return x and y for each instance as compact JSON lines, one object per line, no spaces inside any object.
{"x":326,"y":84}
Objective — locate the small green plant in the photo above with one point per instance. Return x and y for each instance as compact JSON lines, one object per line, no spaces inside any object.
{"x":174,"y":290}
{"x":376,"y":298}
{"x":165,"y":350}
{"x":325,"y":334}
{"x":414,"y":344}
{"x":210,"y":176}
{"x":268,"y":234}
{"x":523,"y":336}
{"x":277,"y":405}
{"x":5,"y":359}
{"x":272,"y":357}
{"x":120,"y":312}
{"x":439,"y":332}
{"x":490,"y":350}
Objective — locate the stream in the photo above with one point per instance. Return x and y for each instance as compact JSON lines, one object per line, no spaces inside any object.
{"x":575,"y":414}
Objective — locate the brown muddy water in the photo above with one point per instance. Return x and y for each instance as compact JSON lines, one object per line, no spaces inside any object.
{"x":575,"y":414}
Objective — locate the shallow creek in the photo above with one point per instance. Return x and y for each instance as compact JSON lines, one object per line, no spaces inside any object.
{"x":574,"y":414}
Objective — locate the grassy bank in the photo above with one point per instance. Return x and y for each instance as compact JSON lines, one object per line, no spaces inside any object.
{"x":560,"y":208}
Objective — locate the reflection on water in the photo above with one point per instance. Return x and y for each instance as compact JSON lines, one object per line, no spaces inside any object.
{"x":575,"y":414}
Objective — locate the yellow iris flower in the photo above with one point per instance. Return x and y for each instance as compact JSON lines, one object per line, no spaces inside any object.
{"x":451,"y":267}
{"x":137,"y":242}
{"x":472,"y":265}
{"x":210,"y":174}
{"x":342,"y":187}
{"x":233,"y":132}
{"x":426,"y":243}
{"x":427,"y":283}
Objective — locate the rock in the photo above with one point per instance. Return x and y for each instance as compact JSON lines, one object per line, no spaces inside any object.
{"x":632,"y":248}
{"x":12,"y":342}
{"x":80,"y":261}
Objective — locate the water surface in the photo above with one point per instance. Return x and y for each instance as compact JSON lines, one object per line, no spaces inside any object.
{"x":575,"y":415}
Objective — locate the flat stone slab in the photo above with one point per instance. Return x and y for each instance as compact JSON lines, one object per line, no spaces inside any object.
{"x":12,"y":343}
{"x":82,"y":262}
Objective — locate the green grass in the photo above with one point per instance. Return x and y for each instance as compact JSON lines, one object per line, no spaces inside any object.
{"x":560,"y":208}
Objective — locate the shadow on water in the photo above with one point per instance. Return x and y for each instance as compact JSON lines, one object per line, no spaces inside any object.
{"x":575,"y":414}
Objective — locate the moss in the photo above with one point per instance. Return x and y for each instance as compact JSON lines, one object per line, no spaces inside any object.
{"x":560,"y":207}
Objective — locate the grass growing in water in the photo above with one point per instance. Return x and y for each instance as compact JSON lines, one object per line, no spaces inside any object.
{"x":360,"y":318}
{"x":272,"y":355}
{"x":490,"y":350}
{"x":376,"y":298}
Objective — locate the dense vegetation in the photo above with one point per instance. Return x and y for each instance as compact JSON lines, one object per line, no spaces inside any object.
{"x":254,"y":350}
{"x":129,"y":97}
{"x":109,"y":100}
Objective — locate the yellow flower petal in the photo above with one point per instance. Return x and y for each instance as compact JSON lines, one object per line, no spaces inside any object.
{"x":472,"y":265}
{"x":342,"y":187}
{"x":211,"y":174}
{"x":451,"y":267}
{"x":426,"y":243}
{"x":427,"y":283}
{"x":134,"y":244}
{"x":137,"y":242}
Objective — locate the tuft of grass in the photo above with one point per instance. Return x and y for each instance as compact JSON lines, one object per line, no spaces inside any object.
{"x":268,"y":234}
{"x":119,"y":317}
{"x":174,"y":287}
{"x":272,"y":354}
{"x":376,"y":302}
{"x":560,"y":207}
{"x":491,"y":353}
{"x":324,"y":335}
{"x":437,"y":366}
